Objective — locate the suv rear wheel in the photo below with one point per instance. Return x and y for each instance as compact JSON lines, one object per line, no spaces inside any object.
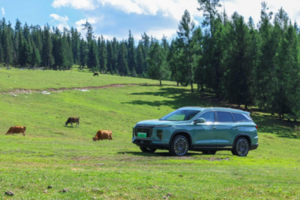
{"x":241,"y":147}
{"x":147,"y":150}
{"x":179,"y":146}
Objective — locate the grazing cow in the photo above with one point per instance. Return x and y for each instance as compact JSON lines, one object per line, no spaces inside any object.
{"x":103,"y":135}
{"x":96,"y":74}
{"x":16,"y":129}
{"x":73,"y":120}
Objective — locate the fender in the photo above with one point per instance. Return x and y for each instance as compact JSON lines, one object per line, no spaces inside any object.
{"x":244,"y":135}
{"x":184,"y":133}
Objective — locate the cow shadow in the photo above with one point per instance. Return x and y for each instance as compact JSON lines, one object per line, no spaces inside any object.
{"x":70,"y":127}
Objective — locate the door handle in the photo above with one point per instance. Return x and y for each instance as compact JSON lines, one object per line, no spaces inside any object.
{"x":236,"y":128}
{"x":213,"y":127}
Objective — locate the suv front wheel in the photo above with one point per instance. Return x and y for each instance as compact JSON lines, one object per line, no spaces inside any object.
{"x":241,"y":147}
{"x":179,"y":146}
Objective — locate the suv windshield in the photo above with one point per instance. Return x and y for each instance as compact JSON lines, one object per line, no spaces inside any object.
{"x":180,"y":115}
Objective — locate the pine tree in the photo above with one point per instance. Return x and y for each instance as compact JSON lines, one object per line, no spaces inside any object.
{"x":265,"y":74}
{"x":47,"y":56}
{"x":1,"y":53}
{"x":122,"y":61}
{"x":17,"y":31}
{"x":110,"y":58}
{"x":239,"y":60}
{"x":67,"y":41}
{"x":102,"y":55}
{"x":75,"y":45}
{"x":158,"y":67}
{"x":83,"y":53}
{"x":89,"y":31}
{"x":212,"y":45}
{"x":146,"y":50}
{"x":35,"y":58}
{"x":197,"y":43}
{"x":185,"y":32}
{"x":140,"y":59}
{"x":25,"y":55}
{"x":131,"y":53}
{"x":174,"y":60}
{"x":7,"y":46}
{"x":93,"y":60}
{"x":115,"y":47}
{"x":56,"y":49}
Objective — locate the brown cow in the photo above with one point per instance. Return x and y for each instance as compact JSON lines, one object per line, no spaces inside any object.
{"x":16,"y":129}
{"x":96,"y":74}
{"x":102,"y":135}
{"x":73,"y":120}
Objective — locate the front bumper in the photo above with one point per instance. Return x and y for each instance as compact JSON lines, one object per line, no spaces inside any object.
{"x":149,"y":144}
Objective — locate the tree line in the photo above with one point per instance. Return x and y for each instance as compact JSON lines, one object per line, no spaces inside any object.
{"x":240,"y":62}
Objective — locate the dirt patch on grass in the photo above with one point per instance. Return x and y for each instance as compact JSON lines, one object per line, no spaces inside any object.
{"x":29,"y":91}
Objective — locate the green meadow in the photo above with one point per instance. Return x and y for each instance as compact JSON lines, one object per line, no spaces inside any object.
{"x":75,"y":167}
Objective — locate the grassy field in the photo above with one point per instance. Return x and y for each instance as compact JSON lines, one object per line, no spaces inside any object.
{"x":67,"y":158}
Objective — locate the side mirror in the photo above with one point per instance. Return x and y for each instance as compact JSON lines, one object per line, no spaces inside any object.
{"x":199,"y":120}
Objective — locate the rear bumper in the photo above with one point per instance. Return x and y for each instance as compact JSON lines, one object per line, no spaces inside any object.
{"x":254,"y":146}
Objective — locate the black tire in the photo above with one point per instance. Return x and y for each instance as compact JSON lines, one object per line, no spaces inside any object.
{"x":241,"y":147}
{"x":179,"y":146}
{"x":233,"y":152}
{"x":211,"y":152}
{"x":147,"y":150}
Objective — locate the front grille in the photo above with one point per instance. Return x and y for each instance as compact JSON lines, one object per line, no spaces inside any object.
{"x":143,"y":130}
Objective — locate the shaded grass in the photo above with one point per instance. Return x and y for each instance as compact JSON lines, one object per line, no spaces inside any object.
{"x":66,"y":157}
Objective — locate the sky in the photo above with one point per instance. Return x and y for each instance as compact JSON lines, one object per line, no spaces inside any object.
{"x":114,"y":18}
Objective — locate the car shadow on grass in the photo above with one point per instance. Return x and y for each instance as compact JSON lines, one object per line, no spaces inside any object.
{"x":157,"y":154}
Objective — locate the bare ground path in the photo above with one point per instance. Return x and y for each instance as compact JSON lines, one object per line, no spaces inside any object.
{"x":26,"y":91}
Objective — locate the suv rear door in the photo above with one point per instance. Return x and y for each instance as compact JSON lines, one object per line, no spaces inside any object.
{"x":225,"y":127}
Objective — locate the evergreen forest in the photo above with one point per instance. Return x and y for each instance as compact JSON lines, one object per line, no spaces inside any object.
{"x":238,"y":61}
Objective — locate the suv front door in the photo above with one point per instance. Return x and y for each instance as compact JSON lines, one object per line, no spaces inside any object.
{"x":204,"y":134}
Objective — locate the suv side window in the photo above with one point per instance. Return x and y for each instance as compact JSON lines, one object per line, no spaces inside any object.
{"x":208,"y":116}
{"x":241,"y":117}
{"x":224,"y":117}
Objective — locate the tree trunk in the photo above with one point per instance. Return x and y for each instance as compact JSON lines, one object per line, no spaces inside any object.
{"x":160,"y":82}
{"x":192,"y":89}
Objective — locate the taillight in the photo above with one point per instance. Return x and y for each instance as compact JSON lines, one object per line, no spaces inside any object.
{"x":256,"y":127}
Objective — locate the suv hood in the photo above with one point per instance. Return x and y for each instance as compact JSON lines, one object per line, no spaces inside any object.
{"x":156,"y":122}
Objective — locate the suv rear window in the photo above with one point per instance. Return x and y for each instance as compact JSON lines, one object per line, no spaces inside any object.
{"x":224,"y":117}
{"x":241,"y":117}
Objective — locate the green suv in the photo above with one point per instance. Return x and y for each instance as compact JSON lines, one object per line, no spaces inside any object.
{"x":199,"y":129}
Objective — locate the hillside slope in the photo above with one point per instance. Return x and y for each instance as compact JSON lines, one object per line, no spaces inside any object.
{"x":65,"y":157}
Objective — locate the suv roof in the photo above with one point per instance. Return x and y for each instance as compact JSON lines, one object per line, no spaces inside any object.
{"x":214,"y":108}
